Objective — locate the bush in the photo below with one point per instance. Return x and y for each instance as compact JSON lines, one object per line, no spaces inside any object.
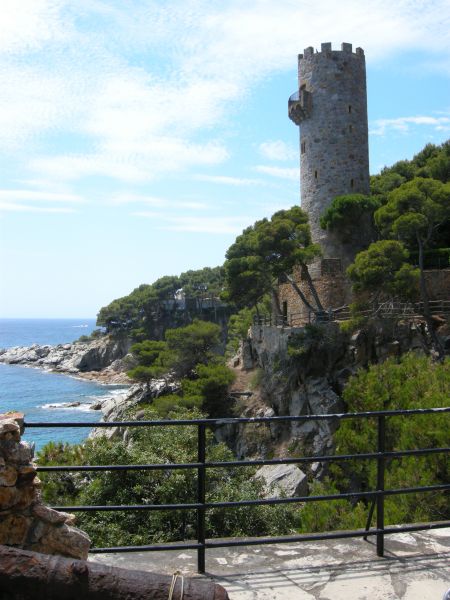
{"x":211,"y":384}
{"x":414,"y":382}
{"x":164,"y":405}
{"x":162,"y":445}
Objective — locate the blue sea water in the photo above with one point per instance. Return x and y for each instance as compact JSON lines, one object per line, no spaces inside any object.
{"x":42,"y":395}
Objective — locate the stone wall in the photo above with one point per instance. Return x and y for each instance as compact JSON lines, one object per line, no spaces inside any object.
{"x":25,"y":522}
{"x":333,"y":289}
{"x":438,"y":284}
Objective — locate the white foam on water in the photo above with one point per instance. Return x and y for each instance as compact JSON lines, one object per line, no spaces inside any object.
{"x":83,"y":406}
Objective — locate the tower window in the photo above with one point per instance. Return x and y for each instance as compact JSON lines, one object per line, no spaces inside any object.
{"x":350,"y":128}
{"x":352,"y":182}
{"x":349,"y":109}
{"x":303,"y":147}
{"x":316,"y":175}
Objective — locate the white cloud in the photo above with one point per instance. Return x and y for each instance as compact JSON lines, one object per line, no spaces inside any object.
{"x":17,"y":200}
{"x":227,"y":180}
{"x":281,"y":172}
{"x":278,"y":150}
{"x":128,"y":198}
{"x":193,"y":205}
{"x":71,"y":69}
{"x":132,"y":161}
{"x":156,"y":202}
{"x":14,"y":207}
{"x":211,"y":225}
{"x":12,"y":195}
{"x":28,"y":24}
{"x":404,"y":124}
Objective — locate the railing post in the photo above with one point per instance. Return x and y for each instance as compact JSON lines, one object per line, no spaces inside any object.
{"x":380,"y":484}
{"x":201,"y":476}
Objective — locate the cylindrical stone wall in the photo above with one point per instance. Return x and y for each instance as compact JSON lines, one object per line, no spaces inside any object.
{"x":334,"y":150}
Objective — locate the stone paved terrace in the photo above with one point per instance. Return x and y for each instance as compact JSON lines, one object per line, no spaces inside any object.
{"x":415,"y":566}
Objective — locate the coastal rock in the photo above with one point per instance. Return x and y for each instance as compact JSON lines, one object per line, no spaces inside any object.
{"x":101,"y":358}
{"x":282,"y":480}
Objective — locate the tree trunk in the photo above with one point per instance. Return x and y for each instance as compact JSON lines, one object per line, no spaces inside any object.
{"x":25,"y":575}
{"x":300,"y":293}
{"x":276,"y":302}
{"x":426,"y":304}
{"x":312,"y":287}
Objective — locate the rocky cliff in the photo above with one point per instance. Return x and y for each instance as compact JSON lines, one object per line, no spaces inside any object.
{"x":100,"y":359}
{"x":308,"y":380}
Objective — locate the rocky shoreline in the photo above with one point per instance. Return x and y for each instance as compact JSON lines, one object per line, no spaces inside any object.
{"x":101,"y":360}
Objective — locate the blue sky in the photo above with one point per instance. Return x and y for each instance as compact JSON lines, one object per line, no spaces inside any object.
{"x":139,"y":138}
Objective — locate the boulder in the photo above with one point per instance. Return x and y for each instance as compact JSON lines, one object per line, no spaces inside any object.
{"x":282,"y":480}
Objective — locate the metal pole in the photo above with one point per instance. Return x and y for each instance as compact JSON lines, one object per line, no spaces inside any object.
{"x":380,"y":484}
{"x":369,"y":517}
{"x":201,"y":475}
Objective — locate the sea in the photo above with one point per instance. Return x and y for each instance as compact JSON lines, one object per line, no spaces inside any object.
{"x":44,"y":397}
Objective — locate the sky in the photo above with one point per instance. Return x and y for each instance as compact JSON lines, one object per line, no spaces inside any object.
{"x":139,"y":138}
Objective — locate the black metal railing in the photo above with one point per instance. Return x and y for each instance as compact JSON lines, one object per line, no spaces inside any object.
{"x":202,"y":465}
{"x":387,"y":310}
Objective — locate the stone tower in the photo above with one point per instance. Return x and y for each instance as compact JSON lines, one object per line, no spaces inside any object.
{"x":331,"y":109}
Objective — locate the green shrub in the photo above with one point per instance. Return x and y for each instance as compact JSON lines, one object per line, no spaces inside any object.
{"x":164,"y":405}
{"x":162,"y":445}
{"x":211,"y":384}
{"x":414,"y":382}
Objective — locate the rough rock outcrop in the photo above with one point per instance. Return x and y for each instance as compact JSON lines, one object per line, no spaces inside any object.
{"x":25,"y":522}
{"x":309,"y":383}
{"x":282,"y":480}
{"x":100,"y":359}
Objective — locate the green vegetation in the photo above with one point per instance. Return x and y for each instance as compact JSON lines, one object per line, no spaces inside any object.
{"x":347,"y":214}
{"x":158,"y":445}
{"x":407,"y":217}
{"x":151,"y":364}
{"x":409,"y":212}
{"x":413,"y":214}
{"x":94,"y":335}
{"x":383,"y":269}
{"x":190,"y":355}
{"x":192,"y":345}
{"x":240,"y":323}
{"x":267,"y":251}
{"x":414,"y":382}
{"x":151,"y":308}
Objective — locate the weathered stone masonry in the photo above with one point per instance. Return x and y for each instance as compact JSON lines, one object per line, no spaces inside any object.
{"x":331,"y":109}
{"x":25,"y":522}
{"x":332,"y":113}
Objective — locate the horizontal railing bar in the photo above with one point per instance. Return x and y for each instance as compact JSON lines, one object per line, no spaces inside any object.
{"x":125,"y":507}
{"x":156,"y":548}
{"x":242,"y":463}
{"x":347,"y":495}
{"x":259,"y":502}
{"x":324,"y":536}
{"x":150,"y":467}
{"x":273,"y":540}
{"x":326,"y":458}
{"x":231,"y":421}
